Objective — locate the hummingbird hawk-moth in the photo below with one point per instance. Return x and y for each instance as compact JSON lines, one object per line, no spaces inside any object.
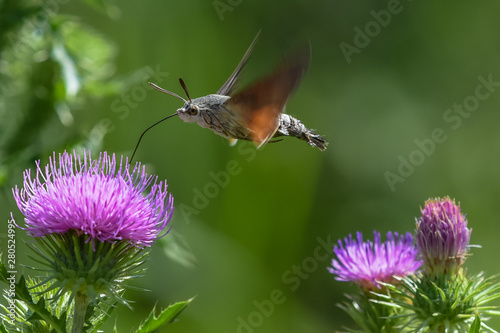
{"x":254,"y":113}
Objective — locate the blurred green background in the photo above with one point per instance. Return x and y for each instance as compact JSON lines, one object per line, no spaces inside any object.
{"x":76,"y":78}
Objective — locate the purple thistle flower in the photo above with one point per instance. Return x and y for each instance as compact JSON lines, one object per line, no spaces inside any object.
{"x":365,"y":263}
{"x":442,"y":236}
{"x":94,"y":198}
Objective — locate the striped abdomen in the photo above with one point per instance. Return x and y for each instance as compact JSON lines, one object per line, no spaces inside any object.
{"x":290,"y":126}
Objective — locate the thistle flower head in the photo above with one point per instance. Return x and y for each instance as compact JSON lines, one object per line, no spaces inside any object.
{"x":96,"y":197}
{"x":90,"y":221}
{"x":442,"y":236}
{"x":366,"y":263}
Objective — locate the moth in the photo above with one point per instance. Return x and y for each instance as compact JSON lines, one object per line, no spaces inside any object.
{"x":255,"y":113}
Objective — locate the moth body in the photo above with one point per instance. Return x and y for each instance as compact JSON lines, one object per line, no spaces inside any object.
{"x":214,"y":112}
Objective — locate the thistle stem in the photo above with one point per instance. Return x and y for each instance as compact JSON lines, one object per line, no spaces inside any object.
{"x":81,"y":304}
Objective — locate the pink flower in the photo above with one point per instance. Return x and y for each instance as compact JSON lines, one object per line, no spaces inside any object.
{"x":366,"y":263}
{"x":97,"y":197}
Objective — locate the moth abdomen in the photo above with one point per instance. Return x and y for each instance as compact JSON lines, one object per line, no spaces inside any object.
{"x":290,"y":126}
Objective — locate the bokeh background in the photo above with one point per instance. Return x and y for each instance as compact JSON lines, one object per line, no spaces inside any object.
{"x":75,"y":78}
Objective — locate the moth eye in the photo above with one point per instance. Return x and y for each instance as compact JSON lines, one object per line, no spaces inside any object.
{"x":194,"y":110}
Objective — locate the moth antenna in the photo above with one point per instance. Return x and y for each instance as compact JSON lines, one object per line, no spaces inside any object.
{"x":147,"y":129}
{"x":167,"y":92}
{"x":183,"y":85}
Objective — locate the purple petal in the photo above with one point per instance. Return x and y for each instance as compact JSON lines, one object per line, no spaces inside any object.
{"x":368,"y":262}
{"x":442,"y":235}
{"x":94,"y":198}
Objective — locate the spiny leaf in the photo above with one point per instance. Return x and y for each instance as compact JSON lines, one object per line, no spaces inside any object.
{"x":38,"y":308}
{"x":166,"y":316}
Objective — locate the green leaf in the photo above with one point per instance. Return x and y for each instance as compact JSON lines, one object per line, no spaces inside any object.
{"x":3,"y":271}
{"x":177,"y":249}
{"x":476,"y":325}
{"x":70,"y":77}
{"x":166,"y":316}
{"x":105,"y":7}
{"x":38,"y":309}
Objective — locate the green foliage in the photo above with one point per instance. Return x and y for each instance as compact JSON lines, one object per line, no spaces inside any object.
{"x":78,"y":266}
{"x":32,"y":313}
{"x":55,"y":65}
{"x":167,"y":316}
{"x":372,"y":316}
{"x":105,"y":6}
{"x":450,"y":303}
{"x":176,"y":248}
{"x":476,"y":325}
{"x":39,"y":308}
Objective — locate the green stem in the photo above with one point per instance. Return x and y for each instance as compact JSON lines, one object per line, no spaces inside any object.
{"x":81,"y":304}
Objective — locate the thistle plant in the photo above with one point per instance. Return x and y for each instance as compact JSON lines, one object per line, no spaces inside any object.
{"x":446,"y":298}
{"x":92,"y":225}
{"x":370,"y":265}
{"x":440,"y":296}
{"x":442,"y":237}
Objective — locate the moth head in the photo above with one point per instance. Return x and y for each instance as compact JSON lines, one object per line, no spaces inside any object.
{"x":189,"y":112}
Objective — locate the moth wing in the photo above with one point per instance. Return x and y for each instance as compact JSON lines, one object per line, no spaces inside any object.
{"x":260,"y":105}
{"x":231,"y":84}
